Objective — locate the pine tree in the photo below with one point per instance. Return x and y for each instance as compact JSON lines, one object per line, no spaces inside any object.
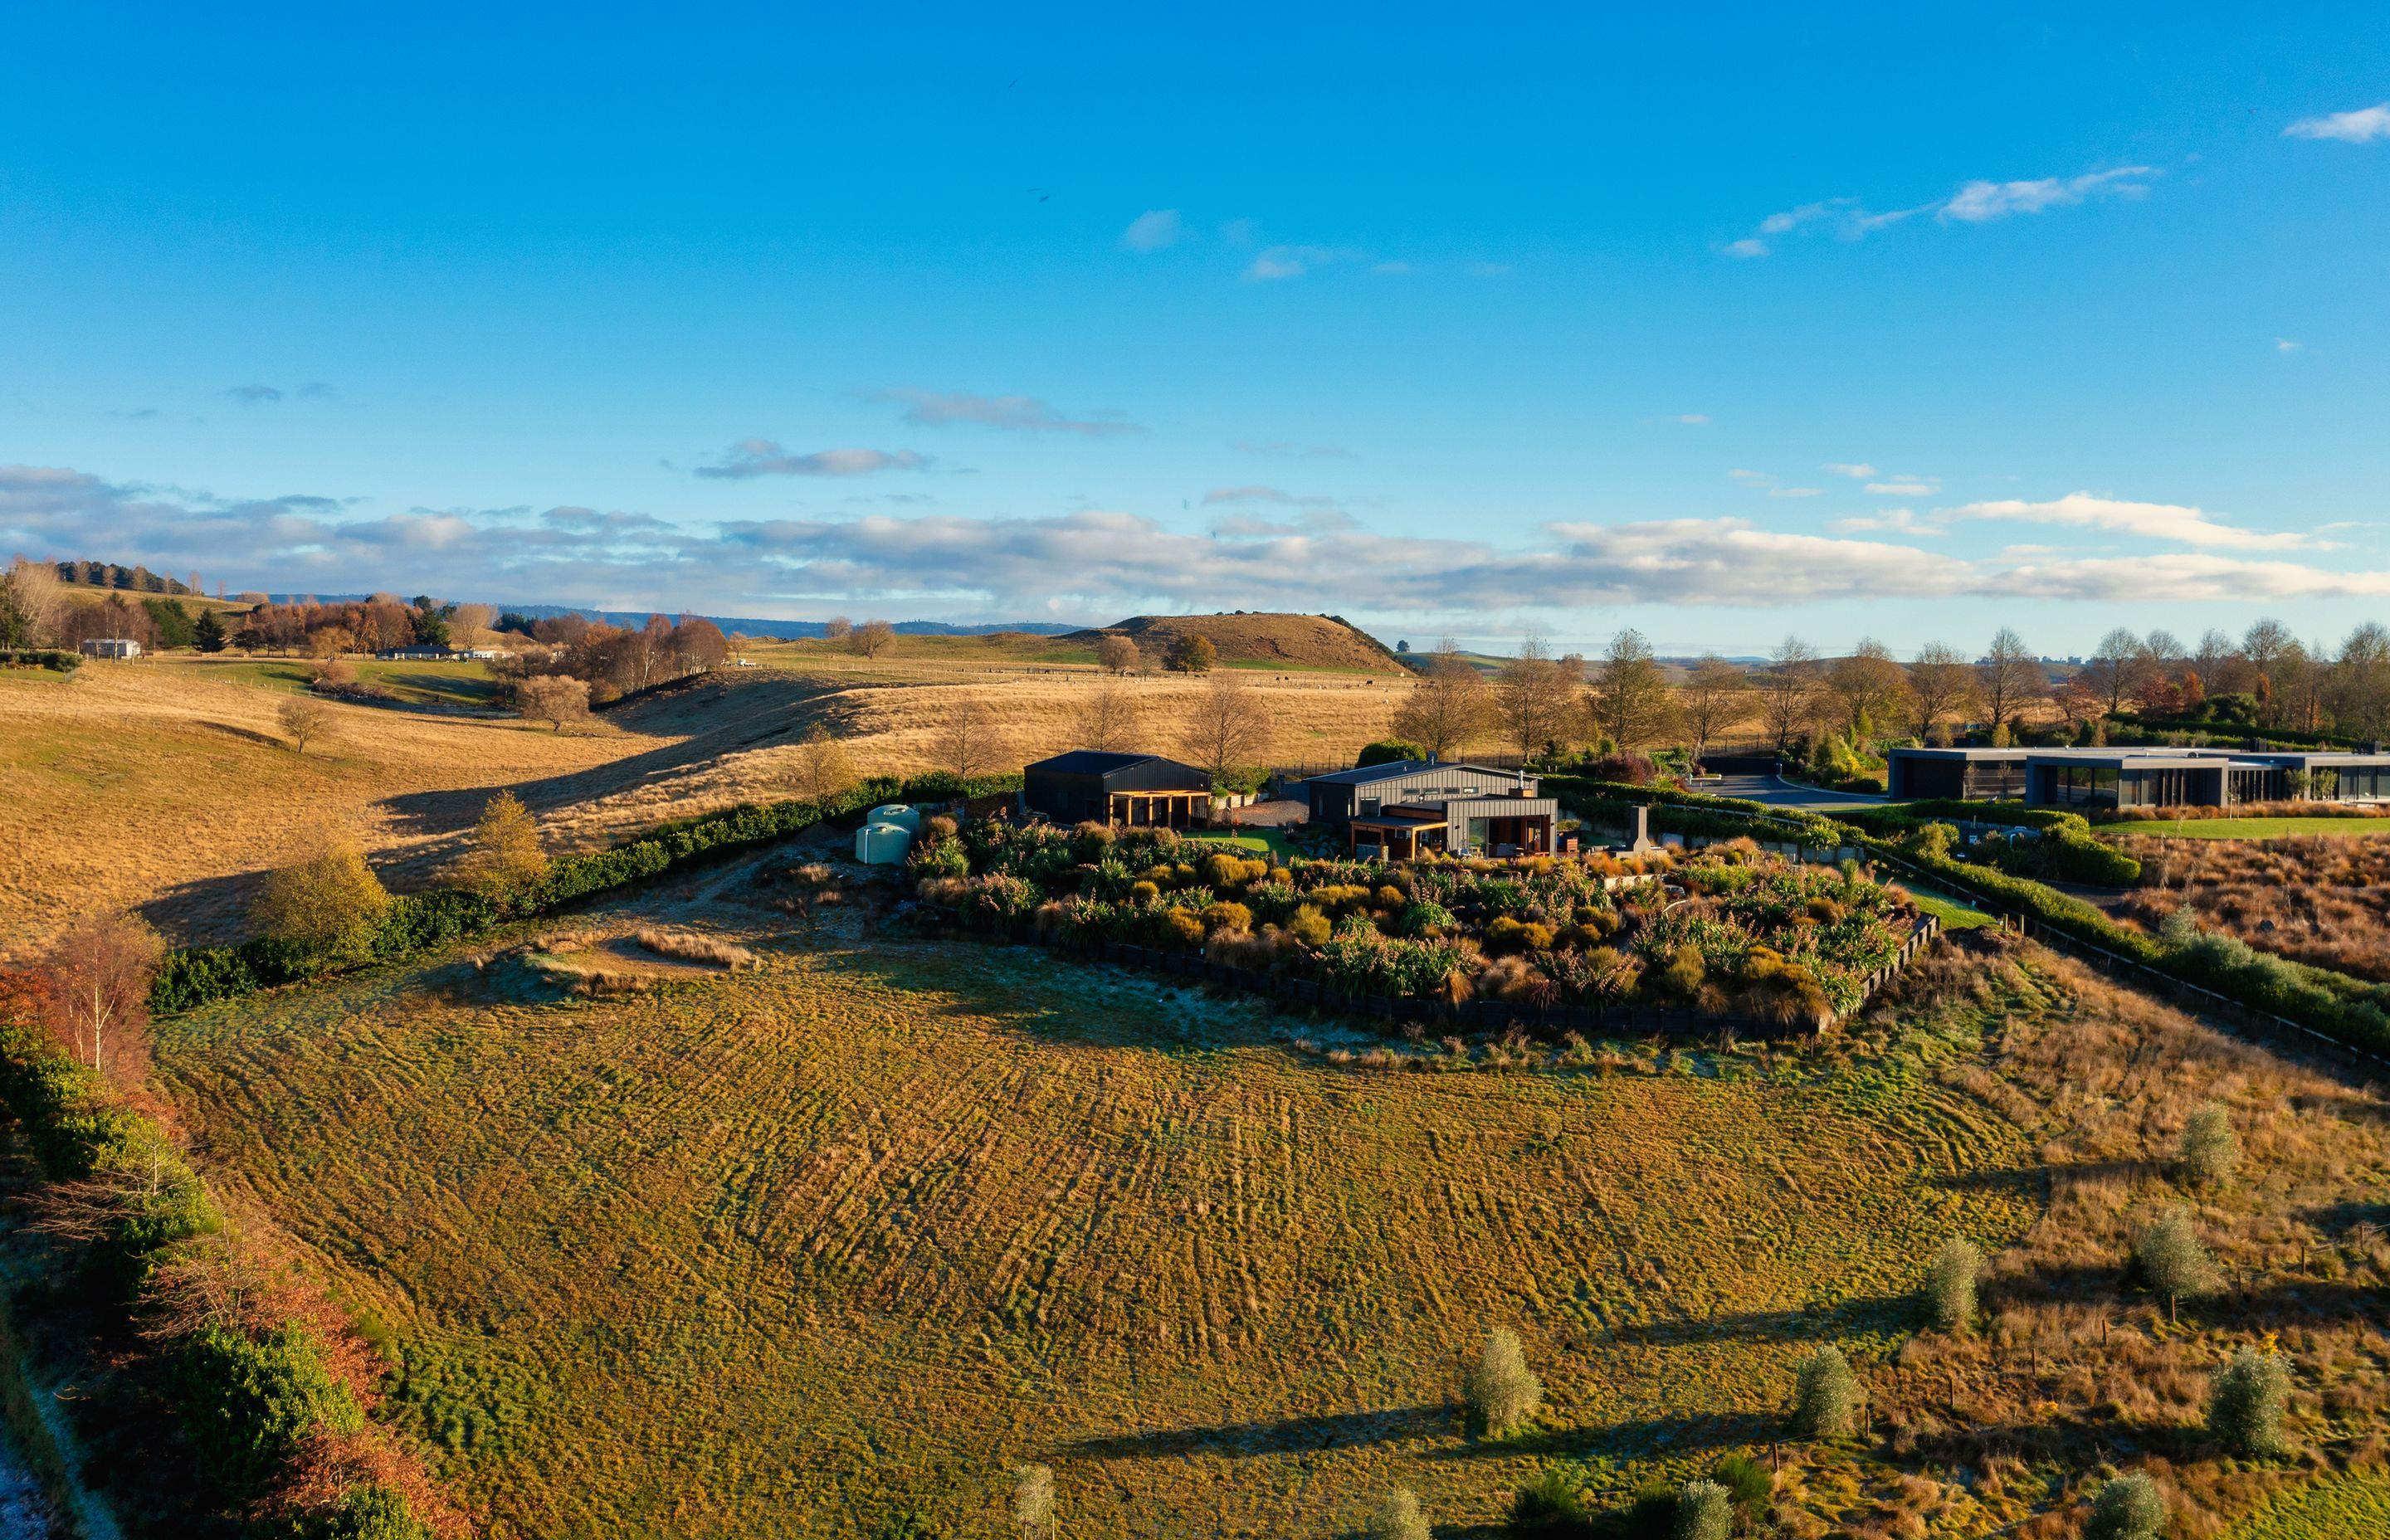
{"x":208,"y":632}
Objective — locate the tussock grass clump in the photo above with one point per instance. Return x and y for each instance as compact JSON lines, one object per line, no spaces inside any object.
{"x":1826,"y":1397}
{"x":689,"y":947}
{"x":1502,"y":1392}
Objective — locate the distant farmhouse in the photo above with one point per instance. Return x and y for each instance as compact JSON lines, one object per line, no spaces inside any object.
{"x":110,"y":646}
{"x":1411,"y":805}
{"x":1099,"y":786}
{"x":2127,"y":777}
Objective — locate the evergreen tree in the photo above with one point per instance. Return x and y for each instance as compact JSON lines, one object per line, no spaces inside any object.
{"x":208,"y":632}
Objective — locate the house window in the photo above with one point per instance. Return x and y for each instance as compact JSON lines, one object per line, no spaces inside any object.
{"x":1481,"y":832}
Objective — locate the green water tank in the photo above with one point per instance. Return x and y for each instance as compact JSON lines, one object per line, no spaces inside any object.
{"x":902,"y":816}
{"x":879,"y":844}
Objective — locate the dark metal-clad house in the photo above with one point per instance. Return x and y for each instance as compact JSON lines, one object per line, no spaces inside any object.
{"x":1410,"y":805}
{"x":1095,"y":785}
{"x":2137,"y":777}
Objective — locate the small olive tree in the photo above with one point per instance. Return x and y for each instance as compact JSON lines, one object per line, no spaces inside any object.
{"x":1950,"y":1286}
{"x":2246,"y":1402}
{"x":1826,"y":1395}
{"x":1398,"y":1518}
{"x":1501,"y":1391}
{"x":2170,"y":1259}
{"x":507,"y":857}
{"x":1704,"y":1512}
{"x":2210,"y":1150}
{"x":2130,"y":1507}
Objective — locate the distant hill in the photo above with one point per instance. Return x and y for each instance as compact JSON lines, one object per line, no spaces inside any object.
{"x":737,"y":624}
{"x":1298,"y":641}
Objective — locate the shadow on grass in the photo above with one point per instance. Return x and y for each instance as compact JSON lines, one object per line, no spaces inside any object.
{"x":1287,"y":1436}
{"x":1824,"y":1323}
{"x":1692,"y":1433}
{"x":2033,"y":1181}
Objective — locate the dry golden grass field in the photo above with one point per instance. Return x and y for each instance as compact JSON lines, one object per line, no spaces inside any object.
{"x":168,"y":785}
{"x":791,"y":1251}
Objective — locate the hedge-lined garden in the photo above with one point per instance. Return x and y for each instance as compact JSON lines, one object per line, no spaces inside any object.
{"x":2349,"y":1010}
{"x":412,"y":923}
{"x":1730,"y":931}
{"x":40,"y":656}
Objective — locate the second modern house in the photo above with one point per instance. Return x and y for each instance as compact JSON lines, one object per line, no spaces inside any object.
{"x":110,"y":646}
{"x":1099,"y":786}
{"x":1411,"y":805}
{"x":2125,"y":778}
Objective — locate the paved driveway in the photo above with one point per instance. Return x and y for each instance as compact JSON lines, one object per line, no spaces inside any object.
{"x":1777,"y":792}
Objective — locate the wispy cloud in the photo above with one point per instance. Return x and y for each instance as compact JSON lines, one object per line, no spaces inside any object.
{"x":1975,"y":202}
{"x":752,"y":458}
{"x":1151,"y":230}
{"x":2168,"y":522}
{"x":254,"y":395}
{"x":2283,"y":344}
{"x":1891,"y":520}
{"x":1906,"y":486}
{"x":1010,"y":414}
{"x":1795,"y":492}
{"x":1857,"y":470}
{"x":1274,"y":262}
{"x":2362,"y":126}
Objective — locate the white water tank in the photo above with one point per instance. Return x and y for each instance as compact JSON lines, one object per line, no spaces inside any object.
{"x":906,"y":818}
{"x":879,"y":844}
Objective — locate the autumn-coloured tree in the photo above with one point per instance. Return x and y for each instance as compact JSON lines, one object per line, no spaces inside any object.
{"x":1788,"y":690}
{"x":1533,"y":698}
{"x":1192,"y":654}
{"x":507,"y":857}
{"x":553,"y":699}
{"x":328,"y":900}
{"x":98,"y":974}
{"x":2007,"y":676}
{"x":1630,"y":701}
{"x":1868,"y":685}
{"x":1941,"y":684}
{"x":1118,"y":654}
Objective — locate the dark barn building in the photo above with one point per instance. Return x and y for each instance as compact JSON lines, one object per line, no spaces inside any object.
{"x":1093,"y":785}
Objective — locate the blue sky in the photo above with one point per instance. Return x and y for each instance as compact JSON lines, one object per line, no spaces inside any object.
{"x":1482,"y":320}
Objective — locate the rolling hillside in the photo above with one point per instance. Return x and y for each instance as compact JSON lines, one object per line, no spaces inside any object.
{"x":1293,"y":641}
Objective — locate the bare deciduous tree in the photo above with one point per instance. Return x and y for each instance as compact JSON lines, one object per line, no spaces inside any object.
{"x":1106,"y":717}
{"x":2118,"y":668}
{"x":1533,"y":697}
{"x":304,"y":722}
{"x":1450,"y":708}
{"x":1867,"y":683}
{"x":1226,"y":729}
{"x":822,"y":769}
{"x":98,"y":974}
{"x":839,"y":628}
{"x":968,"y":741}
{"x":871,"y":639}
{"x":1787,"y":688}
{"x":2009,"y":675}
{"x":1712,"y":698}
{"x":1941,"y":684}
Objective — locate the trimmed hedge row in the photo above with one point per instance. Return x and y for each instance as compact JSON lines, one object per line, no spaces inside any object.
{"x":252,"y":1403}
{"x":40,"y":656}
{"x":413,"y":923}
{"x":2333,"y":1004}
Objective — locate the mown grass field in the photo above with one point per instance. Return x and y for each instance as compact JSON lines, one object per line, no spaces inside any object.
{"x":2245,"y":829}
{"x":791,"y":1251}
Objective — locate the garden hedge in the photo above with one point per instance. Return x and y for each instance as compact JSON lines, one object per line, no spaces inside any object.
{"x":412,"y":923}
{"x":40,"y":656}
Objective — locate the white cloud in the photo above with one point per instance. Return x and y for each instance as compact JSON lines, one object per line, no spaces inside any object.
{"x":2361,"y":126}
{"x":1857,"y":470}
{"x":1012,"y":414}
{"x":2283,"y":344}
{"x":1891,"y":520}
{"x":2189,"y":577}
{"x":1794,"y":492}
{"x":1151,"y":230}
{"x":1292,"y":262}
{"x":752,"y":458}
{"x":2184,"y":526}
{"x":1906,"y":486}
{"x":1980,"y":203}
{"x":1975,"y":202}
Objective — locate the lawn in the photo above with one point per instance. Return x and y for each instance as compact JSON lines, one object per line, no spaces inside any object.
{"x":1268,"y":841}
{"x":796,"y":1250}
{"x":2245,"y":829}
{"x":1954,"y":914}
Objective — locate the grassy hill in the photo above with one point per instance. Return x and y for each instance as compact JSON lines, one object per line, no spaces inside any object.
{"x":1260,"y":640}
